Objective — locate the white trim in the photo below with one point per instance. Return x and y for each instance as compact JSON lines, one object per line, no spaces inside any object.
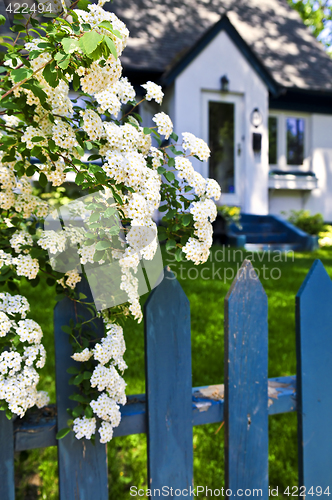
{"x":281,"y":140}
{"x":237,"y":100}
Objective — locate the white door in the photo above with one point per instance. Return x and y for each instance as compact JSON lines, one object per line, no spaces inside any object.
{"x":222,"y":130}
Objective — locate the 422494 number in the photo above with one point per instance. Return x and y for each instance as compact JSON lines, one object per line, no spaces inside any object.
{"x":301,"y":491}
{"x":24,"y":8}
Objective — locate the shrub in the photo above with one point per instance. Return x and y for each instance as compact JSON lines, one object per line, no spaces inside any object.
{"x":311,"y":224}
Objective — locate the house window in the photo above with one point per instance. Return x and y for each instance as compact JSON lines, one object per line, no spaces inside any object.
{"x":273,"y":137}
{"x":295,"y":141}
{"x":221,"y":142}
{"x":288,"y":140}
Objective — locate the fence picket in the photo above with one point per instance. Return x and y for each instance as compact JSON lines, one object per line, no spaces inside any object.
{"x":7,"y":484}
{"x":169,"y":387}
{"x":82,"y":466}
{"x":314,"y":375}
{"x":246,"y":392}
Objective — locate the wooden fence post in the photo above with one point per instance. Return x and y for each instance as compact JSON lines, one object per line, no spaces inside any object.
{"x":169,"y":387}
{"x":314,"y":380}
{"x":7,"y":483}
{"x":82,"y":466}
{"x":246,"y":385}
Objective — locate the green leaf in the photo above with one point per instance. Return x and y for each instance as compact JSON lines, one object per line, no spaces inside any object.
{"x":138,"y":117}
{"x":70,"y":45}
{"x":83,"y":4}
{"x":170,"y":244}
{"x":80,"y":150}
{"x":87,"y":375}
{"x":107,"y":25}
{"x":146,"y":130}
{"x":42,"y":179}
{"x":9,"y":414}
{"x":65,"y":63}
{"x":79,"y":178}
{"x":90,"y":41}
{"x":179,"y":254}
{"x":82,"y":296}
{"x":171,"y":162}
{"x":78,"y":379}
{"x":79,"y":398}
{"x":88,"y":412}
{"x":174,"y":136}
{"x":50,"y":76}
{"x":109,"y":211}
{"x":20,"y":74}
{"x":163,"y":208}
{"x":103,"y":245}
{"x":2,"y":20}
{"x":77,"y":411}
{"x":111,"y":45}
{"x":187,"y":218}
{"x":66,"y":329}
{"x":61,"y":434}
{"x":72,"y":370}
{"x":170,"y":176}
{"x":99,"y":254}
{"x":94,"y":157}
{"x":76,"y":81}
{"x":94,"y":217}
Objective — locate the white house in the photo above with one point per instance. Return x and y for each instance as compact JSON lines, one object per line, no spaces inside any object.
{"x":249,"y":78}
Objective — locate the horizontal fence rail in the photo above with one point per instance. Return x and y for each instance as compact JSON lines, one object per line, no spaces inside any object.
{"x":171,"y":407}
{"x":38,"y":429}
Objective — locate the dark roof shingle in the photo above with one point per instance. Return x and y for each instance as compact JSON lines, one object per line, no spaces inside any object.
{"x":162,"y":31}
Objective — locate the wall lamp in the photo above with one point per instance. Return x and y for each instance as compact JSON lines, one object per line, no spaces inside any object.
{"x":224,"y":83}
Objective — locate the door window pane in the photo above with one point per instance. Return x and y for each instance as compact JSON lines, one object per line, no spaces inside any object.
{"x":273,"y":158}
{"x":295,"y":141}
{"x":221,"y":143}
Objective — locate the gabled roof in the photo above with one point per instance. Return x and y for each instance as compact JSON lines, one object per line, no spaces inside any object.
{"x":164,"y":32}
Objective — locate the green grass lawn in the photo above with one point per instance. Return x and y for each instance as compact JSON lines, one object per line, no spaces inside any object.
{"x":37,"y":470}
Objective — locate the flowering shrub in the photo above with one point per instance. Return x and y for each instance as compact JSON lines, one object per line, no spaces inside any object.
{"x":38,"y":120}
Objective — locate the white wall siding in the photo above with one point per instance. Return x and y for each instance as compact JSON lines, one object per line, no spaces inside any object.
{"x":320,"y":162}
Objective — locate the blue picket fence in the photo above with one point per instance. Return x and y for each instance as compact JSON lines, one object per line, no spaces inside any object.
{"x":171,"y":407}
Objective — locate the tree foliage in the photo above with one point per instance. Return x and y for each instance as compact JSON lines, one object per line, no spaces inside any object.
{"x":317,"y":14}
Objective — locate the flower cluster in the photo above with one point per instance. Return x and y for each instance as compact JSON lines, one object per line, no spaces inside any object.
{"x":132,"y":176}
{"x":22,"y":355}
{"x":108,"y":354}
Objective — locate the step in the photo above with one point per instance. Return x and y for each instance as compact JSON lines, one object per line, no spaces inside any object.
{"x":251,"y":227}
{"x":271,"y":247}
{"x":266,"y":237}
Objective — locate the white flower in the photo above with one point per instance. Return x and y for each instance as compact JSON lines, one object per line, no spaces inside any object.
{"x":153,"y":91}
{"x":85,"y":355}
{"x":106,"y":432}
{"x":84,"y":427}
{"x":196,"y":146}
{"x":164,"y":124}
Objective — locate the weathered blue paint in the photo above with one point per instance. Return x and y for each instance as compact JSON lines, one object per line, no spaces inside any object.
{"x":169,"y":386}
{"x":37,"y":430}
{"x":314,"y":376}
{"x":7,"y":484}
{"x":82,"y":466}
{"x":246,"y":384}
